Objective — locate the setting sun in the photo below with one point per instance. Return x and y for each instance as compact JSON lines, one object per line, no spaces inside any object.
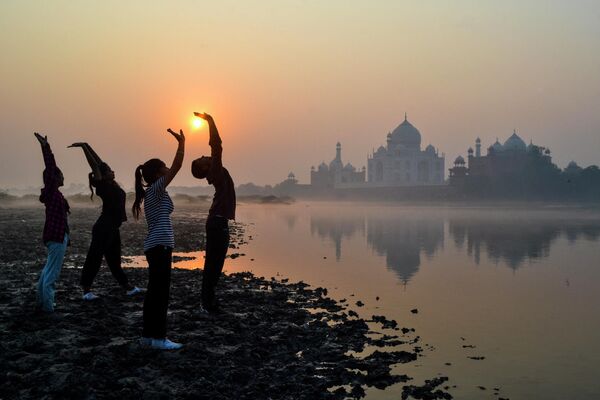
{"x":197,"y":122}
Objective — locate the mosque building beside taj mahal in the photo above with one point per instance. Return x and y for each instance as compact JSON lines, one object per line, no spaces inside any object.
{"x":400,"y":163}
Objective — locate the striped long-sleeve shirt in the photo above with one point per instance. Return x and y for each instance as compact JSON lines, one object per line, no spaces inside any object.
{"x":158,"y":207}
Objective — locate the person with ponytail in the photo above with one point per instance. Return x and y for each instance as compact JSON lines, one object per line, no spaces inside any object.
{"x":56,"y":227}
{"x":106,"y":238}
{"x":151,"y":181}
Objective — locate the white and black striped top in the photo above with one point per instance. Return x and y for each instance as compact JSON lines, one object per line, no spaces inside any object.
{"x":158,"y":207}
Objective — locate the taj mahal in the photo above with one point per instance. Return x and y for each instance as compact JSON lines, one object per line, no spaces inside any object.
{"x":401,"y":162}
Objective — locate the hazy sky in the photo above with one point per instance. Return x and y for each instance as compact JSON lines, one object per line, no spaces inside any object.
{"x":286,"y":80}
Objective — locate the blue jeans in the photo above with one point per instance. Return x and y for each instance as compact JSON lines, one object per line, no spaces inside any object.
{"x":50,"y":273}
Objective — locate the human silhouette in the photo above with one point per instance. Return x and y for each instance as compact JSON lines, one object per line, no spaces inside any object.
{"x":159,"y":243}
{"x":221,"y":211}
{"x":56,"y":227}
{"x":106,"y":238}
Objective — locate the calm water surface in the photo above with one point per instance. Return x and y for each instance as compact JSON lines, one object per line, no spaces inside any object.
{"x":522,"y":286}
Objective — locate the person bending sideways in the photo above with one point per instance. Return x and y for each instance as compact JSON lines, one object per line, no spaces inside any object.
{"x":106,"y":238}
{"x":221,"y":211}
{"x":56,"y":227}
{"x":159,"y":243}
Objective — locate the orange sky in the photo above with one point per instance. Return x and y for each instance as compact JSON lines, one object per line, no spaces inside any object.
{"x":286,"y":80}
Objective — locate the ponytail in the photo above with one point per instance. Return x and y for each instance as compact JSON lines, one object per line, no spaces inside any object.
{"x":90,"y":175}
{"x":149,"y":172}
{"x":139,"y":193}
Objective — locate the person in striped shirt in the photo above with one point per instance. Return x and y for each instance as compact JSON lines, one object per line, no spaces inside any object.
{"x":151,"y":181}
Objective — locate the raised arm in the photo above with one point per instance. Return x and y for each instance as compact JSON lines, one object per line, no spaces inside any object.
{"x":92,"y":158}
{"x":51,"y":175}
{"x":49,"y":160}
{"x":93,"y":153}
{"x":178,"y":160}
{"x":214,"y":141}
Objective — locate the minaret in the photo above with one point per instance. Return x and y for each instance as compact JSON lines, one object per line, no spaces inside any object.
{"x":478,"y":147}
{"x":338,"y":152}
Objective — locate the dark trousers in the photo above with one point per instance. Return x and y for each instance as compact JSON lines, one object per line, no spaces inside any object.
{"x":217,"y":242}
{"x":156,"y":301}
{"x":106,"y":242}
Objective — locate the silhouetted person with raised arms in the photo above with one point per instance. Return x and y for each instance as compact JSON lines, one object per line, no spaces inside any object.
{"x":106,"y":238}
{"x":221,"y":211}
{"x":56,"y":227}
{"x":159,"y":243}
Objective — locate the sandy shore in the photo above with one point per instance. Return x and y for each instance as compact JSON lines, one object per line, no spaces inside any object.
{"x":274,"y":339}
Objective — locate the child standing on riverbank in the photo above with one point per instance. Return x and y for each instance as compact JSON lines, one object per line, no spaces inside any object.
{"x":159,"y":243}
{"x":221,"y":211}
{"x":56,"y":227}
{"x":106,"y":237}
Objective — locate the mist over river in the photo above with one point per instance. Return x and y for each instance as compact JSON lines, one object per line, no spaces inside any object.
{"x":519,"y":286}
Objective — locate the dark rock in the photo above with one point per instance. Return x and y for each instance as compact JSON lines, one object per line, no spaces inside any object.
{"x":386,"y":323}
{"x":427,"y":391}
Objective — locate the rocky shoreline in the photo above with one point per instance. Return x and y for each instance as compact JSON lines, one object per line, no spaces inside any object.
{"x":274,"y":339}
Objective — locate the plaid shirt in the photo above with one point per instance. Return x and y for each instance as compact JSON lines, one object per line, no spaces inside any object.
{"x":57,"y":207}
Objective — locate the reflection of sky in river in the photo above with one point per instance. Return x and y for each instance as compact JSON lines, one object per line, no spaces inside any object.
{"x":522,"y":285}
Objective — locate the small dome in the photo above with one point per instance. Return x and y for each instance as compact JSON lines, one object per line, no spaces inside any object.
{"x":496,"y":146}
{"x":291,"y":175}
{"x":514,"y":142}
{"x":349,"y":167}
{"x":381,"y":149}
{"x":470,"y":151}
{"x":478,"y":140}
{"x":430,"y":149}
{"x":572,"y":165}
{"x":323,"y":167}
{"x":459,"y":160}
{"x":335,"y":164}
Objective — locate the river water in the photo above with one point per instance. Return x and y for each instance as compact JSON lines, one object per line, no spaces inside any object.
{"x":522,"y":286}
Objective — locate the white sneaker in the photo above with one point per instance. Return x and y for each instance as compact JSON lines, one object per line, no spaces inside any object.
{"x":145,"y":341}
{"x":89,"y":296}
{"x":202,"y":310}
{"x":134,"y":291}
{"x":165,"y":344}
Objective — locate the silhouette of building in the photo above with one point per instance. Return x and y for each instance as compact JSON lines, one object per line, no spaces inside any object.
{"x":290,"y":187}
{"x":402,"y":162}
{"x":336,"y":173}
{"x":507,"y":169}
